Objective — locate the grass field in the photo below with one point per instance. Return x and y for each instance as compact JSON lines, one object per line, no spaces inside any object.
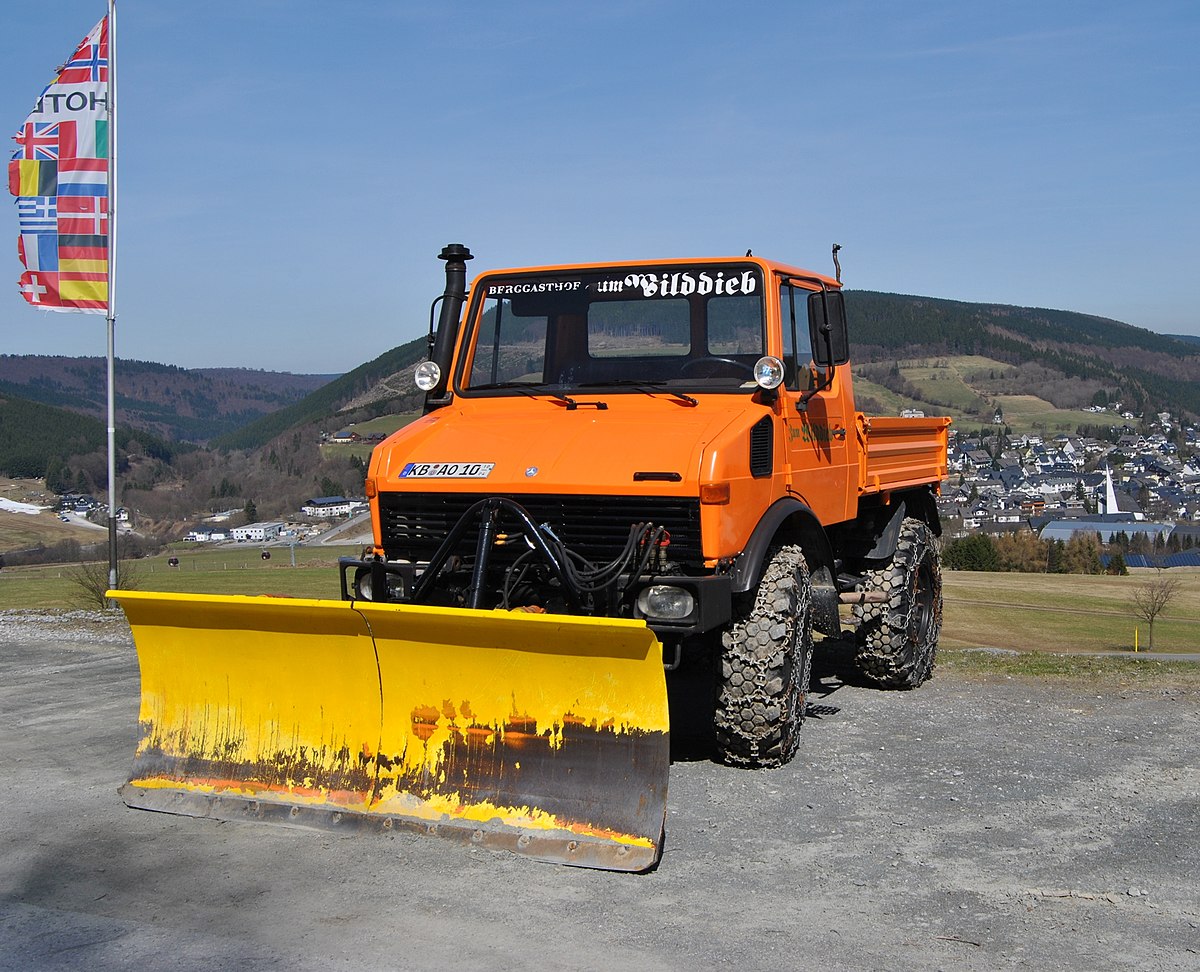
{"x":1057,"y":614}
{"x":1064,"y":612}
{"x":222,"y":570}
{"x":945,"y":380}
{"x":1028,"y":412}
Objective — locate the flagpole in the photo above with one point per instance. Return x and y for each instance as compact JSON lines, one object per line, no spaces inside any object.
{"x":112,"y":305}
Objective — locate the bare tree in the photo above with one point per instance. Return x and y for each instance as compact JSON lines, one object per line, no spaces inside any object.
{"x":90,"y":578}
{"x":1152,"y":598}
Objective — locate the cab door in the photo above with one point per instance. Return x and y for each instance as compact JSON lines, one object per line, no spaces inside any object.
{"x":818,"y":411}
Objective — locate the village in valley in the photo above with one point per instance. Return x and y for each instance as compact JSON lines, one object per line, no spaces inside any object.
{"x":1139,"y":490}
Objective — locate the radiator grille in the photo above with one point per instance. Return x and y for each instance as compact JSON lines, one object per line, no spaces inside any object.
{"x":414,"y":524}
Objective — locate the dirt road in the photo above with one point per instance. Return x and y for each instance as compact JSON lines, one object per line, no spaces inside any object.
{"x":967,"y":825}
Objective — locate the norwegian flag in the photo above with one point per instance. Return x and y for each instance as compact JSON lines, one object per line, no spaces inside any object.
{"x":90,"y":60}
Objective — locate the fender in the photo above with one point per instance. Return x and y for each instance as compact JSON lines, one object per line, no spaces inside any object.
{"x":885,"y":545}
{"x":924,"y":508}
{"x":788,"y":520}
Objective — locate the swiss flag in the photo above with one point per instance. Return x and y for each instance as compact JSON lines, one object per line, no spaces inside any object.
{"x":40,"y":289}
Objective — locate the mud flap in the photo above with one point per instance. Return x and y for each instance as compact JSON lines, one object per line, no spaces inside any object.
{"x":544,"y":735}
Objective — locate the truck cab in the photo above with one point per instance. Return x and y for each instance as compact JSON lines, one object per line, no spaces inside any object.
{"x":642,"y":440}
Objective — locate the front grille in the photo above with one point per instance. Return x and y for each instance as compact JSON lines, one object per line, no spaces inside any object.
{"x":596,"y":527}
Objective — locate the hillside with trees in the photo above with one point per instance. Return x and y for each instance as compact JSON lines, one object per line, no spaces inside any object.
{"x":1135,"y":366}
{"x":192,"y":405}
{"x":379,"y":386}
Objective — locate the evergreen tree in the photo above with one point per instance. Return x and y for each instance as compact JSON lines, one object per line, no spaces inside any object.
{"x":1055,"y":557}
{"x":976,"y":552}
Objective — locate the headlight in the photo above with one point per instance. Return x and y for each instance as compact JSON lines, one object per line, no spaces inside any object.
{"x":427,"y":375}
{"x":362,"y":584}
{"x":666,"y":603}
{"x":391,"y":589}
{"x":768,"y":372}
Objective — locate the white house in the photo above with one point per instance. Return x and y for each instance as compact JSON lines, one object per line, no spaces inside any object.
{"x":332,"y":506}
{"x":257,"y":532}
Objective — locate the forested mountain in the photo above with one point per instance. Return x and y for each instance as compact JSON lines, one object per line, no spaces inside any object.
{"x":40,"y":441}
{"x":1144,"y":368}
{"x":384,"y":384}
{"x":174,"y":403}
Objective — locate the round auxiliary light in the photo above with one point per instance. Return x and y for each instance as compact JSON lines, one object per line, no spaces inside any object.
{"x":427,"y":375}
{"x":362,"y":584}
{"x":768,"y":372}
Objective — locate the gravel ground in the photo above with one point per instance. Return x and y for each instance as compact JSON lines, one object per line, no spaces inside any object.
{"x":967,"y":825}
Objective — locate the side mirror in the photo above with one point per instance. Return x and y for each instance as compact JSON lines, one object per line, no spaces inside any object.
{"x":827,"y":328}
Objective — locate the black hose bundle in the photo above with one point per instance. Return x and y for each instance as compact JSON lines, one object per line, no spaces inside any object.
{"x":586,"y":579}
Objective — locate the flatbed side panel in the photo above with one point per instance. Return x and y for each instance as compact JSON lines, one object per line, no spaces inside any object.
{"x":905,"y":452}
{"x":552,"y":727}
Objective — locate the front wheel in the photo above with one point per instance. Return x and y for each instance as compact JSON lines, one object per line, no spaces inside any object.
{"x":765,"y":666}
{"x":897,"y":639}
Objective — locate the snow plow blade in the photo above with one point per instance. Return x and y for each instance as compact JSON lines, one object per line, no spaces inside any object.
{"x":540,"y":734}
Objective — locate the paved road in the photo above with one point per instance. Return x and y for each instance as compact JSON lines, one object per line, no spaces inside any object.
{"x":968,"y":825}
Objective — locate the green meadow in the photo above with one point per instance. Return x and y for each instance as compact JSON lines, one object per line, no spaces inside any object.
{"x":1059,"y":614}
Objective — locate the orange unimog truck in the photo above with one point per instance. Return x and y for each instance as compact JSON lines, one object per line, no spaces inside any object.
{"x":674,"y":441}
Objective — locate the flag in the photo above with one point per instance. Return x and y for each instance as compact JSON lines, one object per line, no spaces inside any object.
{"x":59,"y":174}
{"x":84,"y":215}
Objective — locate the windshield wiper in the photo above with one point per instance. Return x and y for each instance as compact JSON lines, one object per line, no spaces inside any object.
{"x":651,"y":387}
{"x":533,"y":390}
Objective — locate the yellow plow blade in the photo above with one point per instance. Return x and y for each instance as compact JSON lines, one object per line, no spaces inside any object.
{"x":542,"y":734}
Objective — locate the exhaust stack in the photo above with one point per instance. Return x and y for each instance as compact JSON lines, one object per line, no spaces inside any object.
{"x":442,"y":351}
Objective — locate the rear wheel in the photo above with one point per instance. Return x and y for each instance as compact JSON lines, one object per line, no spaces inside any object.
{"x":897,"y":639}
{"x":765,"y":666}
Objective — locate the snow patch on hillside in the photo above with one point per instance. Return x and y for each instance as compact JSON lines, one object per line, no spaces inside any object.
{"x":12,"y":506}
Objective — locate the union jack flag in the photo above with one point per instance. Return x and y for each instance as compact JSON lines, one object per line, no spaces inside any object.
{"x":38,"y":140}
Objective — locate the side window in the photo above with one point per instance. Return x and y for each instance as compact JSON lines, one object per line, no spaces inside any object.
{"x":793,"y":313}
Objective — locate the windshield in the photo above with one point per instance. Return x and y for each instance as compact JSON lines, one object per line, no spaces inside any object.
{"x":693,"y":326}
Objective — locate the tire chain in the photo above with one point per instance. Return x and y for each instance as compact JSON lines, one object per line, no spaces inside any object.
{"x":762,"y":685}
{"x":888,"y":650}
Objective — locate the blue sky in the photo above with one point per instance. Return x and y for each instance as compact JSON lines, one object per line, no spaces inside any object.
{"x":289,"y":170}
